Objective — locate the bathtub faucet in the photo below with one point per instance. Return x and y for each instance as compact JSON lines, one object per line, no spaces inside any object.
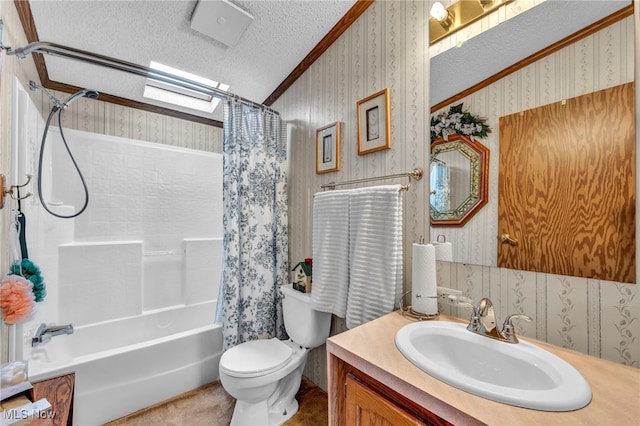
{"x":45,"y":332}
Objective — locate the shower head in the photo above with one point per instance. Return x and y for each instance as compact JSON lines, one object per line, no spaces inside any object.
{"x":91,"y":94}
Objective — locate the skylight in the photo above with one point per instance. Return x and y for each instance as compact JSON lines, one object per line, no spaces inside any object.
{"x":170,"y":93}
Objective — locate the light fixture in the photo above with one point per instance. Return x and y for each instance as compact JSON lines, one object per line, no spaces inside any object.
{"x":173,"y":94}
{"x":442,"y":15}
{"x":446,"y":21}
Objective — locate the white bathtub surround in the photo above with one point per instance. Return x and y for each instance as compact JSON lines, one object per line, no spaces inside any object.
{"x":203,"y":268}
{"x":92,"y":291}
{"x":123,"y":272}
{"x":255,"y":224}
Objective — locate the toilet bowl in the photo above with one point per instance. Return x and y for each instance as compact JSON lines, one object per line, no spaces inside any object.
{"x":264,"y":375}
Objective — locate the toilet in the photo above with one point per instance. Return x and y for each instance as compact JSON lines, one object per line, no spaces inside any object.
{"x":264,"y":375}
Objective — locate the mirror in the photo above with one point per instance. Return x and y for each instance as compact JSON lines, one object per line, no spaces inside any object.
{"x":459,"y":170}
{"x":521,"y":88}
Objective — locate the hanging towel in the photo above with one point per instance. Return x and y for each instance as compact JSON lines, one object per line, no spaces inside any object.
{"x":330,"y":252}
{"x":375,"y":253}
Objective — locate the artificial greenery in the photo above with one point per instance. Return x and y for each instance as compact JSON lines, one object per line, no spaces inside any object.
{"x":455,"y":120}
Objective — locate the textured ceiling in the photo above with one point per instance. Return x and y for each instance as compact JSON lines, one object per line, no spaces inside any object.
{"x":510,"y":42}
{"x":280,"y":37}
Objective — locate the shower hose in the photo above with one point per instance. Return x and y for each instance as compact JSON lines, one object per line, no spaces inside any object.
{"x":59,"y":110}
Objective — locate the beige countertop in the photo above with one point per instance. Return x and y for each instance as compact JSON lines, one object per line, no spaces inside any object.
{"x":371,"y":349}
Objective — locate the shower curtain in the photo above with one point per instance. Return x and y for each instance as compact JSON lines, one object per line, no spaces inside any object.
{"x":255,"y":258}
{"x":441,"y":193}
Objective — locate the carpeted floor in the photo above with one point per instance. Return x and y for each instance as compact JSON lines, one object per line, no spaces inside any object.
{"x":210,"y":405}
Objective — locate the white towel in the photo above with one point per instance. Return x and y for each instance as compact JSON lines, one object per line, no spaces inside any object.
{"x":444,"y":251}
{"x":375,"y":253}
{"x":330,"y":252}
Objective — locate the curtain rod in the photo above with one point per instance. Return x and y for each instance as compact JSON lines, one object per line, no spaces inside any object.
{"x":415,"y":174}
{"x":129,"y":67}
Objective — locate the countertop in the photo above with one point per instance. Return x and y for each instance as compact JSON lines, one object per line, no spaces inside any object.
{"x":371,"y":349}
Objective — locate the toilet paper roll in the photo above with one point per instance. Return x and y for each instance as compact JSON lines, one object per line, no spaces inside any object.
{"x":424,"y":286}
{"x":444,"y":251}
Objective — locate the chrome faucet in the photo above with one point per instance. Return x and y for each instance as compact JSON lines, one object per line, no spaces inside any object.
{"x":45,"y":332}
{"x":483,"y":322}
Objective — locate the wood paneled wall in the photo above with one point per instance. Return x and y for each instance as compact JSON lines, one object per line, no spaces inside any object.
{"x":567,"y":187}
{"x":600,"y":61}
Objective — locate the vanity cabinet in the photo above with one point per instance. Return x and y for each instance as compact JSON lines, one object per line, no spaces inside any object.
{"x":371,"y":383}
{"x":59,"y":392}
{"x":359,"y":400}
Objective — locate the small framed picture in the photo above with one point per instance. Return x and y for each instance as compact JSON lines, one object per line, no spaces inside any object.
{"x":328,"y":148}
{"x":374,"y":128}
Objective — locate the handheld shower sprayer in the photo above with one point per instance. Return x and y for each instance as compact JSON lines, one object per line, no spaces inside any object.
{"x":57,"y":103}
{"x":91,"y":94}
{"x":60,"y":107}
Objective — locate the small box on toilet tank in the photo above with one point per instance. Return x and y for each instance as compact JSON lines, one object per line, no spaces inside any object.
{"x":303,"y":276}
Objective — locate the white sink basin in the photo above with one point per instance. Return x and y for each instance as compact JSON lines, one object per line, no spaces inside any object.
{"x":519,"y":374}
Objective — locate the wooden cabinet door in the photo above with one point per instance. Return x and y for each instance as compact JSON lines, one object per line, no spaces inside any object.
{"x":59,"y":392}
{"x":567,"y":187}
{"x":365,"y":407}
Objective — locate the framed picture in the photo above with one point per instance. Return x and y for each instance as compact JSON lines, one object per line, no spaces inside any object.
{"x":374,"y":128}
{"x":328,"y":148}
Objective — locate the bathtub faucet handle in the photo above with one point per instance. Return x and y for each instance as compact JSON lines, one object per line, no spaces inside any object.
{"x":45,"y":332}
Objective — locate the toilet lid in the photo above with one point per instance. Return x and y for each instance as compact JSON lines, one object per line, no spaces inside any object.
{"x":255,"y":358}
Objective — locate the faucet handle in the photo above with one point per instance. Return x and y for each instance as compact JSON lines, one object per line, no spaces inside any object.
{"x":508,"y":331}
{"x":474,"y":320}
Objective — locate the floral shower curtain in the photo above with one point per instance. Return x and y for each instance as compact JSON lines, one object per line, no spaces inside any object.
{"x":255,"y":246}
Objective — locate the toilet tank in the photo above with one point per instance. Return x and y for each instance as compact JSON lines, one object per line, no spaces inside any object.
{"x":307,"y":328}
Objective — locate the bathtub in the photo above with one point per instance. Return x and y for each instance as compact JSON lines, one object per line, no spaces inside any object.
{"x":137,"y":274}
{"x":116,"y":376}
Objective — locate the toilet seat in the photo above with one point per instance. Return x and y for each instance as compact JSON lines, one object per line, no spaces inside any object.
{"x":255,"y":358}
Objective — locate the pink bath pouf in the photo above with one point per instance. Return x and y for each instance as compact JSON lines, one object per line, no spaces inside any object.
{"x":17,"y":302}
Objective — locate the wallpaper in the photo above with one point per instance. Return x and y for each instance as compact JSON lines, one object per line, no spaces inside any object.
{"x":600,"y":318}
{"x":115,"y":120}
{"x":598,"y":62}
{"x":386,"y":48}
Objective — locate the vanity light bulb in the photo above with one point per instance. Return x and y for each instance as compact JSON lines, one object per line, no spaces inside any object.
{"x":438,"y":12}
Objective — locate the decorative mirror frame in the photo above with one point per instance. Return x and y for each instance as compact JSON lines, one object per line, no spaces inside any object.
{"x":478,"y":156}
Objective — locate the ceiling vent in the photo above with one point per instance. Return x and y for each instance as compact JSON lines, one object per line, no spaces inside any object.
{"x":221,"y":20}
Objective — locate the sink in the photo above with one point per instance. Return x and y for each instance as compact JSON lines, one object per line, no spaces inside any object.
{"x":519,"y":374}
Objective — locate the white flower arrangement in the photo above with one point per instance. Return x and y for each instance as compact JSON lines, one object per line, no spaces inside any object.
{"x":456,"y":121}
